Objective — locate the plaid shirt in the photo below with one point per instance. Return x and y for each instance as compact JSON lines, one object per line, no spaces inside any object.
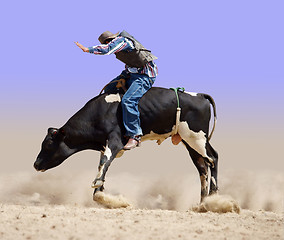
{"x":118,"y":44}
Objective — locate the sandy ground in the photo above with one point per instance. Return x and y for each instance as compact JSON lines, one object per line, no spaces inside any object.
{"x":57,"y":206}
{"x":75,"y":222}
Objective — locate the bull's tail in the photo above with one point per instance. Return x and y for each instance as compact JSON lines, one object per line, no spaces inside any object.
{"x":210,"y":99}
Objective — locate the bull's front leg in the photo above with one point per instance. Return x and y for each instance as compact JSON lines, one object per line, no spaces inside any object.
{"x":111,"y":150}
{"x":98,"y":182}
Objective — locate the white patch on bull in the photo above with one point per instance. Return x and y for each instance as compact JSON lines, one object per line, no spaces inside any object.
{"x":159,"y":137}
{"x":213,"y":181}
{"x":98,"y":183}
{"x":107,"y":152}
{"x":204,"y":183}
{"x":192,"y":93}
{"x":100,"y":173}
{"x":196,"y":140}
{"x":113,"y":98}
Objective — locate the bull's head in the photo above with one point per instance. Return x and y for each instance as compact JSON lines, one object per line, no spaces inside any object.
{"x":53,"y":150}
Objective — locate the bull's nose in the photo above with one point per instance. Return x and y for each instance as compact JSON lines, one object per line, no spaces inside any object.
{"x":36,"y":165}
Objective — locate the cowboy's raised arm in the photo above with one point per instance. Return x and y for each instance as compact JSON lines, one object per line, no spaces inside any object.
{"x":82,"y":47}
{"x":116,"y":45}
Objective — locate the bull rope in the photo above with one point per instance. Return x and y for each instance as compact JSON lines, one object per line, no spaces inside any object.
{"x":178,"y":108}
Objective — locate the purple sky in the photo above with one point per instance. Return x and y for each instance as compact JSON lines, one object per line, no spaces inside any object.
{"x":232,"y":50}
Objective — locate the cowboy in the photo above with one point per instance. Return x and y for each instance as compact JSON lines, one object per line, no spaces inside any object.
{"x":140,"y":73}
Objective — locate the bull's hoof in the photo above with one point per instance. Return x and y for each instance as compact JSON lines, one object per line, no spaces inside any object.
{"x":97,"y":183}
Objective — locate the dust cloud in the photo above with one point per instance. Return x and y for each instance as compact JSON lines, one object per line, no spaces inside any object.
{"x":244,"y":190}
{"x":218,"y":204}
{"x":111,"y":201}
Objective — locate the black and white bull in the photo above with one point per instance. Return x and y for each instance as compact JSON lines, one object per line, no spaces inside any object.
{"x":98,"y":126}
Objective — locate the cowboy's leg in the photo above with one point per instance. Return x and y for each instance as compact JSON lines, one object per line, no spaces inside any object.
{"x":138,"y":85}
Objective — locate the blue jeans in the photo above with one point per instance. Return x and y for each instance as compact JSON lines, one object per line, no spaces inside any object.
{"x":138,"y":85}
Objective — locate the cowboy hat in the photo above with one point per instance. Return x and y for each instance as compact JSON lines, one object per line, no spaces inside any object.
{"x":106,"y":36}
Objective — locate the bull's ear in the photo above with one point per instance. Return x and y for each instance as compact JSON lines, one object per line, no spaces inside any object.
{"x":52,"y":132}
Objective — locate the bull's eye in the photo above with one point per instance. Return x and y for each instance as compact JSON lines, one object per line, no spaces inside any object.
{"x":49,"y":144}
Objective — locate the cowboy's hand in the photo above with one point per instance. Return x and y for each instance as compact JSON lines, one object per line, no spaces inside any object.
{"x":82,"y":47}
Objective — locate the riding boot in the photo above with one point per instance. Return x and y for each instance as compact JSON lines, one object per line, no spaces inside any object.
{"x":132,"y":143}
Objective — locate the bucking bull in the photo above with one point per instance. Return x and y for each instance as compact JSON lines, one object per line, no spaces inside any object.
{"x":98,"y":126}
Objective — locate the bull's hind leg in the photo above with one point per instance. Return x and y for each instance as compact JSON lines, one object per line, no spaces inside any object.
{"x":202,"y":167}
{"x":203,"y":156}
{"x":213,"y":169}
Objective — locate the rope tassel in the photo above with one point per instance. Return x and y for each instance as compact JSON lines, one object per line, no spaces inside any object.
{"x":176,"y":139}
{"x":177,"y":120}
